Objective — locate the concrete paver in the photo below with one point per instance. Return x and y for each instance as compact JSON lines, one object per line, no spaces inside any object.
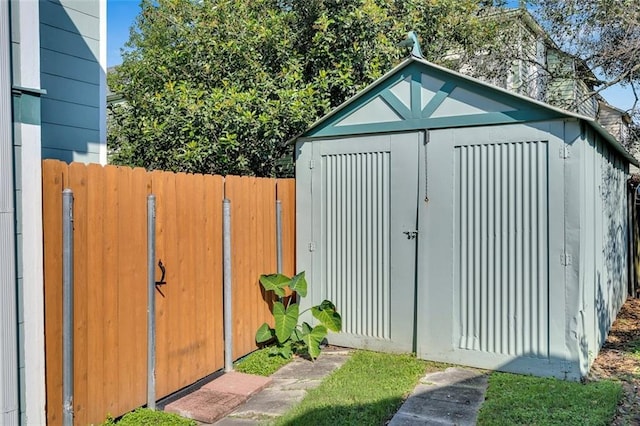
{"x":205,"y":405}
{"x":238,"y":383}
{"x":450,"y":397}
{"x":219,"y":397}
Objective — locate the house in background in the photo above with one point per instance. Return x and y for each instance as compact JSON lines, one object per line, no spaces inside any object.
{"x":620,"y":124}
{"x":529,"y":63}
{"x":52,"y":105}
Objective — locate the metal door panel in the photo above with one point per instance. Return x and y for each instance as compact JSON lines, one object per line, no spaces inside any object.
{"x":365,"y":218}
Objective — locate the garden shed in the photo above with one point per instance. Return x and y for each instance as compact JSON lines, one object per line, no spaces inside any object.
{"x":469,"y":224}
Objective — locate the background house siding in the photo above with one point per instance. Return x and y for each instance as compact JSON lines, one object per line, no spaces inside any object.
{"x":612,"y":120}
{"x":71,"y":73}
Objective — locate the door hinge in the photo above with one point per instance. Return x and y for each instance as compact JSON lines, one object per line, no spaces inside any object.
{"x":564,"y":152}
{"x":565,"y":259}
{"x":312,"y":246}
{"x":312,"y":164}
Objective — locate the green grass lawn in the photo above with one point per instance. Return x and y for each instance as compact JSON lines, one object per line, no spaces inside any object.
{"x":146,"y":417}
{"x":367,"y":390}
{"x":260,"y":363}
{"x":526,"y":400}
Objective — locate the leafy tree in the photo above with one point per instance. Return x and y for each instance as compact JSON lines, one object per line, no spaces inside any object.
{"x":603,"y":33}
{"x":220,"y":86}
{"x":210,"y":88}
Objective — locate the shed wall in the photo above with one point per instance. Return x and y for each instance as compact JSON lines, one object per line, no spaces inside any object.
{"x":603,"y":231}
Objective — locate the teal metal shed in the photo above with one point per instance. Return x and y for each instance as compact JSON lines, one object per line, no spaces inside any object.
{"x":449,"y":217}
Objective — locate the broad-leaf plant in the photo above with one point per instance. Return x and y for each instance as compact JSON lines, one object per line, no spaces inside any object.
{"x":288,"y":335}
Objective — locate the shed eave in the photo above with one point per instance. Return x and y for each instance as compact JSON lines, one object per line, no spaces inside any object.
{"x":612,"y":141}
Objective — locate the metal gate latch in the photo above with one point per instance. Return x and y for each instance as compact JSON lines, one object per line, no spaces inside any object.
{"x":411,"y":234}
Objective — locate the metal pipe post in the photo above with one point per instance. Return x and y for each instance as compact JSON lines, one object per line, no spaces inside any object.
{"x":226,"y":250}
{"x":67,"y":307}
{"x":279,"y":236}
{"x":151,"y":302}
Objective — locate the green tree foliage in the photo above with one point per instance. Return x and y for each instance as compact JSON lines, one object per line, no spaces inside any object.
{"x":220,"y":86}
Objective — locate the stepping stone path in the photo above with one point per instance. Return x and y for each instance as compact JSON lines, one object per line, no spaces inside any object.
{"x":450,"y":397}
{"x":244,"y":399}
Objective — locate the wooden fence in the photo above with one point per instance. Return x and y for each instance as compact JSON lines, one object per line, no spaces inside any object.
{"x":110,"y":298}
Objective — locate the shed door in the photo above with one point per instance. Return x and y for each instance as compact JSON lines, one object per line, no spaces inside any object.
{"x":365,"y":217}
{"x":488,"y":253}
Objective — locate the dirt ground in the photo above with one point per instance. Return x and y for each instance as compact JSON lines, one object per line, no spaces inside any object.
{"x":616,"y":361}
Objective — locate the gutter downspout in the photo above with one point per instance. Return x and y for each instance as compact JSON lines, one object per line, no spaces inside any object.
{"x":9,"y":387}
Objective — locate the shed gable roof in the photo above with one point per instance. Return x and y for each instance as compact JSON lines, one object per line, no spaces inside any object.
{"x":418,"y":95}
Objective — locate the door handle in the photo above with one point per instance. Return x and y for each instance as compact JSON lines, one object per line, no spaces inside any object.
{"x":411,"y":234}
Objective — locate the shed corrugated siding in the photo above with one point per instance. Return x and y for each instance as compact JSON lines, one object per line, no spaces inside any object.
{"x":356,"y":220}
{"x":501,"y":244}
{"x":604,"y":238}
{"x":70,"y":72}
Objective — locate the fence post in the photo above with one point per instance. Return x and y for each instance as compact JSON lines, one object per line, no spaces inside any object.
{"x":279,"y":236}
{"x":67,"y":307}
{"x":151,"y":302}
{"x":228,"y":337}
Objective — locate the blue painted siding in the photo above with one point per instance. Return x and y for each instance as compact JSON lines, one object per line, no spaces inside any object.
{"x":88,"y":7}
{"x":71,"y":74}
{"x":68,"y":66}
{"x":69,"y":19}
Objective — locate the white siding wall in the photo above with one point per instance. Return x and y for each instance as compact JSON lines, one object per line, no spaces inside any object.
{"x":8,"y":327}
{"x":26,"y":138}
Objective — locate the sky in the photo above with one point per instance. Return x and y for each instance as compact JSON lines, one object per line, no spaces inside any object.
{"x":122,"y":13}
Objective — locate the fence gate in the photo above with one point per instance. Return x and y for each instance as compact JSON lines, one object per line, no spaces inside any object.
{"x":365,"y":192}
{"x":110,"y":286}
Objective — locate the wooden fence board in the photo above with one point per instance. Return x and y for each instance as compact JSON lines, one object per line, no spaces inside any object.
{"x":110,"y":274}
{"x":181,"y":326}
{"x":78,"y":181}
{"x":97,"y":285}
{"x":53,"y":182}
{"x":110,"y":279}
